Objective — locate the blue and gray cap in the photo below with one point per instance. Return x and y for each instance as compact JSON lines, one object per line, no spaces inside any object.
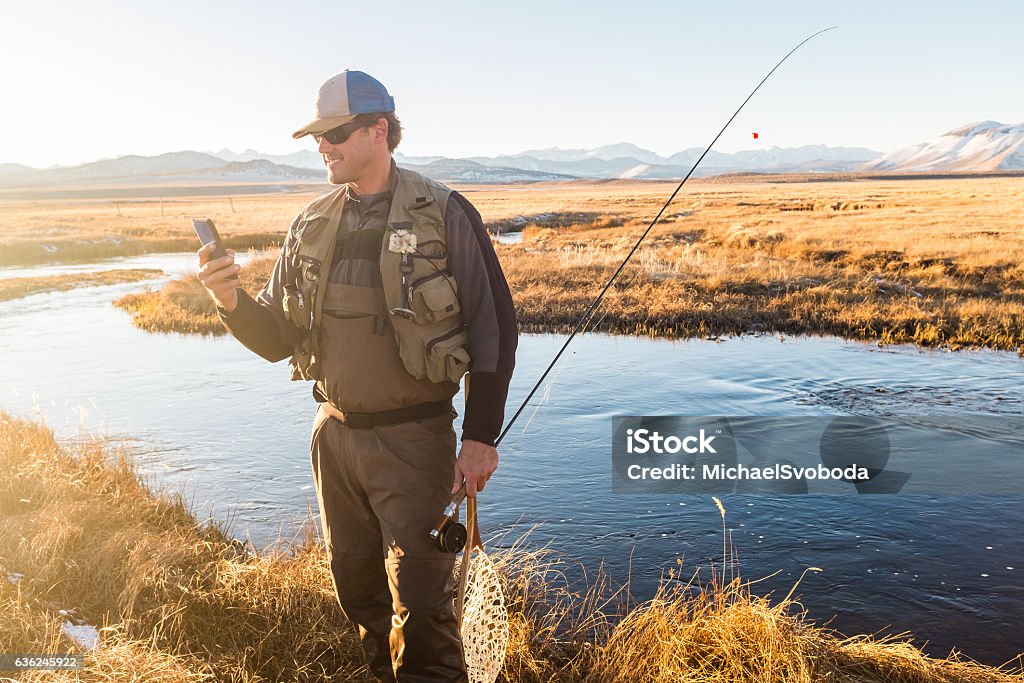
{"x":342,"y":98}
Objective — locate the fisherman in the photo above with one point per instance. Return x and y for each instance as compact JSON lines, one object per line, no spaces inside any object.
{"x":386,"y":292}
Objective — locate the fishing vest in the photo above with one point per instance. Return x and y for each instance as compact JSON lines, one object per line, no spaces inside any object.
{"x":420,"y":292}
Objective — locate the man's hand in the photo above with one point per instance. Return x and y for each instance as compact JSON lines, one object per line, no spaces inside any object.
{"x":214,"y":276}
{"x":476,"y":463}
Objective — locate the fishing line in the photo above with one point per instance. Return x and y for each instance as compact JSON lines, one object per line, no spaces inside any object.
{"x":460,"y":495}
{"x":544,"y":399}
{"x":781,"y":99}
{"x":480,"y":599}
{"x":597,"y":302}
{"x":546,"y":396}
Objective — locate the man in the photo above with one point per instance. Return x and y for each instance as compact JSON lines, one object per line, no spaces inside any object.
{"x":386,"y":291}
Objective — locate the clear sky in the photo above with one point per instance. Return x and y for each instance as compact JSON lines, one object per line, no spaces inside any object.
{"x":87,"y":80}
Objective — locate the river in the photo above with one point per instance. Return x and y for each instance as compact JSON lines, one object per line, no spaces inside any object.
{"x":208,"y":418}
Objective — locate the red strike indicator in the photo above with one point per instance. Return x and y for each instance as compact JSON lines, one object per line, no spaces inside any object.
{"x":755,"y":135}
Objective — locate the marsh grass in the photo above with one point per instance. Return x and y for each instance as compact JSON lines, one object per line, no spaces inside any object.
{"x":17,"y":287}
{"x":184,"y":306}
{"x":88,"y":534}
{"x":936,"y":263}
{"x":73,"y":230}
{"x":178,"y":600}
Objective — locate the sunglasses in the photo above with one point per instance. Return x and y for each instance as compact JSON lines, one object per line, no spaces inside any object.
{"x":336,"y":136}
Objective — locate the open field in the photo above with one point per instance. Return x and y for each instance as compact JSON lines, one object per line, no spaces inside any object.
{"x":937,"y":263}
{"x":179,"y":600}
{"x":70,"y":229}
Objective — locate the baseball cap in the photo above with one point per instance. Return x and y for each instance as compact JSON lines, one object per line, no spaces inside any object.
{"x":342,"y":98}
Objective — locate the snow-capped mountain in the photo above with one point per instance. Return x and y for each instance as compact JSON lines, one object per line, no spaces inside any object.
{"x":979,"y":147}
{"x":466,"y":171}
{"x":625,"y":160}
{"x":985,"y":146}
{"x":605,"y":152}
{"x":304,"y":158}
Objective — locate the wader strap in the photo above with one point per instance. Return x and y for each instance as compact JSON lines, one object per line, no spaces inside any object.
{"x":421,"y":411}
{"x":337,"y":208}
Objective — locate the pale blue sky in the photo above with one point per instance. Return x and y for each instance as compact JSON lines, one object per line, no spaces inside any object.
{"x":81,"y":81}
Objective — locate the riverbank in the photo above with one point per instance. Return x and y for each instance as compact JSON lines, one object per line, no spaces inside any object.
{"x":929,"y":261}
{"x":713,"y":282}
{"x":17,"y":287}
{"x":180,"y":600}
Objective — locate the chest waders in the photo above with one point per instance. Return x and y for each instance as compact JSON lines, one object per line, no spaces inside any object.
{"x":387,"y":359}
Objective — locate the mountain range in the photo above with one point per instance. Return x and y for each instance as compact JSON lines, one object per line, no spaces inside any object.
{"x":978,"y":147}
{"x":985,"y":146}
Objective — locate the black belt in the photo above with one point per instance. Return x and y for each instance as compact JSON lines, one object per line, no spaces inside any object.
{"x":389,"y":417}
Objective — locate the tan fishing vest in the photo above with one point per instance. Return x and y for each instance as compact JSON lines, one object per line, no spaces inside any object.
{"x":420,"y":296}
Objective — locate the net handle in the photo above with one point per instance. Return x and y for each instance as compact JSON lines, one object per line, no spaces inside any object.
{"x":473,"y":536}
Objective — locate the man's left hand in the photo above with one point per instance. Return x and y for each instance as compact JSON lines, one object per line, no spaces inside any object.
{"x":476,"y":463}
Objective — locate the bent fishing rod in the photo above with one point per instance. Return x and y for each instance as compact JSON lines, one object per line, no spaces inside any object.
{"x":449,"y":533}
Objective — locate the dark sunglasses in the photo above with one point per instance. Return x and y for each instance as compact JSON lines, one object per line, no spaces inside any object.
{"x":338,"y":135}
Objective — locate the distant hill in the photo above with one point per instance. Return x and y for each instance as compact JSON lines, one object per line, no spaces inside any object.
{"x":466,"y":171}
{"x":261,"y":169}
{"x":625,"y":160}
{"x":984,"y":146}
{"x":305,"y":158}
{"x":978,"y":147}
{"x":173,"y":167}
{"x":14,"y":168}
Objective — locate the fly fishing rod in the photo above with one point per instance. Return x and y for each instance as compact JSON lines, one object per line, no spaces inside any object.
{"x":449,"y":533}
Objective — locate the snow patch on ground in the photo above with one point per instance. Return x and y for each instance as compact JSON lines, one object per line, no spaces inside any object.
{"x":85,"y":636}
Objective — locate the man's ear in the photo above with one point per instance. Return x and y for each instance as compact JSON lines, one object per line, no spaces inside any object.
{"x":380,"y":130}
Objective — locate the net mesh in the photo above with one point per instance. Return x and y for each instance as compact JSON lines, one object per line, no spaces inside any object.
{"x":484,"y":620}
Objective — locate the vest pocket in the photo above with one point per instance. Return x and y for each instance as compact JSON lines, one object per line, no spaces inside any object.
{"x":297,"y":307}
{"x":434,"y":299}
{"x":447,"y":358}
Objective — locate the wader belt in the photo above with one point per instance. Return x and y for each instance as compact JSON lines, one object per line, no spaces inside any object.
{"x":389,"y":417}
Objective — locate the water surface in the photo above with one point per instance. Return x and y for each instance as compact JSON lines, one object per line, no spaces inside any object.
{"x":229,"y":430}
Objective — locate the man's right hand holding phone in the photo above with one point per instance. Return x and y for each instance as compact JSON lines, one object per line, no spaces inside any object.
{"x":220,"y":277}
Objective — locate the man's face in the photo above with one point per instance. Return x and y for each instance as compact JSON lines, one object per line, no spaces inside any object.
{"x":348,"y":161}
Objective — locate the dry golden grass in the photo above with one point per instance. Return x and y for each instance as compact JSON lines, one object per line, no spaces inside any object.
{"x":69,"y":230}
{"x":184,"y":306}
{"x":17,"y":287}
{"x":181,"y":601}
{"x":88,"y":534}
{"x":937,"y":263}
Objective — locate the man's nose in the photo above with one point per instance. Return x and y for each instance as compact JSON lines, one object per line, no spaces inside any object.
{"x":324,"y":147}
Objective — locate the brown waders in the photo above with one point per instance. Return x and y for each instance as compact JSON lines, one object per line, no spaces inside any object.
{"x":381,"y":488}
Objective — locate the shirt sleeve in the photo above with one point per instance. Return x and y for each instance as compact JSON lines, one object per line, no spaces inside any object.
{"x":490,"y":318}
{"x":260,"y":323}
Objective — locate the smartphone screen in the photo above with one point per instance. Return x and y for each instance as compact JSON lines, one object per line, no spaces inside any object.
{"x":207,"y":233}
{"x":205,"y":230}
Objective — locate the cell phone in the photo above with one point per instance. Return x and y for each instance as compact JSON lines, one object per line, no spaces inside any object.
{"x":208,"y":234}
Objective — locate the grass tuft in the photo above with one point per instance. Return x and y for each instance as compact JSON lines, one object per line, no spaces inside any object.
{"x":179,"y":601}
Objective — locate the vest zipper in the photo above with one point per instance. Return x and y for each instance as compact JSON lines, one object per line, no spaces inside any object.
{"x":439,"y":273}
{"x":448,"y":335}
